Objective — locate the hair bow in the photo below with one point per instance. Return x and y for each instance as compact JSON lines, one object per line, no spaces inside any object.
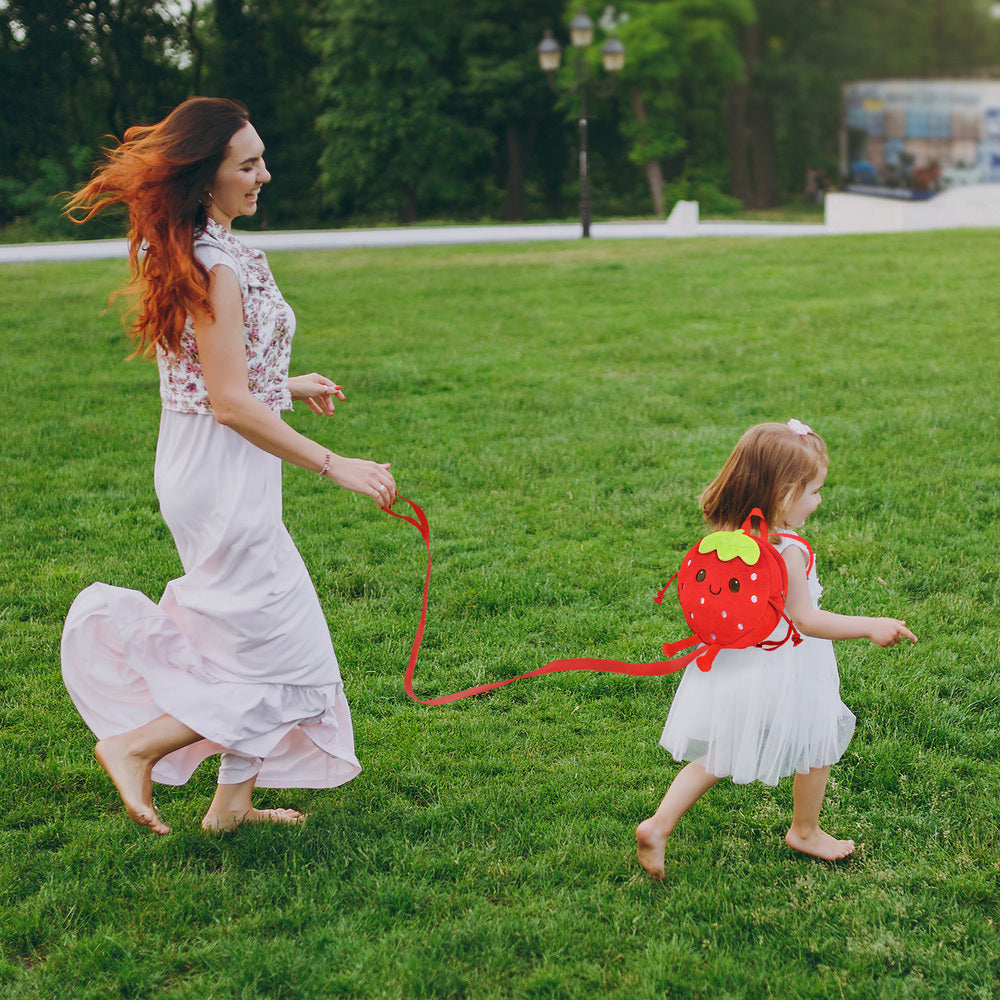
{"x":797,"y":427}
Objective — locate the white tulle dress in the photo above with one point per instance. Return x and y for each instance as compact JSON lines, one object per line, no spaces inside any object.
{"x":238,"y":648}
{"x":761,"y":715}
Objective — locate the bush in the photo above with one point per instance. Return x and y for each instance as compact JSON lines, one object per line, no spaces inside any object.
{"x":32,"y":211}
{"x":706,"y":189}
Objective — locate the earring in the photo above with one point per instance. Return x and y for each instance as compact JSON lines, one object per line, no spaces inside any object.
{"x":203,"y":205}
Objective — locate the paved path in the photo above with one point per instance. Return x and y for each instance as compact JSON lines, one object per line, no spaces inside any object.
{"x":337,"y":239}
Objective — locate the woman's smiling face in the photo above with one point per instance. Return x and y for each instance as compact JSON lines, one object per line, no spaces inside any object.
{"x":238,"y":180}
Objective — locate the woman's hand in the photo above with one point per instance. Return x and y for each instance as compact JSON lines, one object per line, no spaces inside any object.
{"x":370,"y":479}
{"x":317,"y":391}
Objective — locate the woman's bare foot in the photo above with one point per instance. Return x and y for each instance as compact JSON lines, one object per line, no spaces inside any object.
{"x":651,"y":847}
{"x":819,"y":844}
{"x":132,"y":775}
{"x":219,"y":821}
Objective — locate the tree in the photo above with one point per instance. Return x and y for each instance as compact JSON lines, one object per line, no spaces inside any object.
{"x":681,"y":57}
{"x":259,"y":52}
{"x":43,"y":63}
{"x":133,"y":47}
{"x":395,"y":138}
{"x":74,"y":71}
{"x":502,"y":89}
{"x":783,"y":116}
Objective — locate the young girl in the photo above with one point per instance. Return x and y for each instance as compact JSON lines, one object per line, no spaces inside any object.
{"x":760,"y":715}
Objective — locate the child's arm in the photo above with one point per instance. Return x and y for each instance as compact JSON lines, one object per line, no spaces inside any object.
{"x":827,"y":625}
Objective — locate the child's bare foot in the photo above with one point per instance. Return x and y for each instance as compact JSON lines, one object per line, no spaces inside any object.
{"x":819,"y":844}
{"x":131,"y":774}
{"x":219,"y":821}
{"x":651,"y":847}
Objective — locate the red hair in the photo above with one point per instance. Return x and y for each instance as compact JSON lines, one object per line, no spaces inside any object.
{"x":769,"y":468}
{"x":161,"y":172}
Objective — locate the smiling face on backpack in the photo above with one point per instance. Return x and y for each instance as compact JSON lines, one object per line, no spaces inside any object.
{"x":724,"y":586}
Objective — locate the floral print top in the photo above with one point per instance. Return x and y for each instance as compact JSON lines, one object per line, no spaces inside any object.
{"x":268,"y":328}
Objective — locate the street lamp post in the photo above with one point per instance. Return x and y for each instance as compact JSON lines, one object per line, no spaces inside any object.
{"x":581,"y":34}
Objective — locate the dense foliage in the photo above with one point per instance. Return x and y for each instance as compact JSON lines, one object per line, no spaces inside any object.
{"x":407,"y":109}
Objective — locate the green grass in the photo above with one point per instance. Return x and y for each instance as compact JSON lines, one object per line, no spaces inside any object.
{"x":555,"y":409}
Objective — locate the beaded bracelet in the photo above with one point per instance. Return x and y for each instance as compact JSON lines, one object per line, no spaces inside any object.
{"x":326,"y":465}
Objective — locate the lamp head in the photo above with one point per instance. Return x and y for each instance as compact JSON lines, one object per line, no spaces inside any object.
{"x":613,"y":55}
{"x":581,"y":29}
{"x":549,"y":52}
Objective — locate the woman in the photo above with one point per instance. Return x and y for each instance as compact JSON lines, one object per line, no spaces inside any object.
{"x":236,"y":658}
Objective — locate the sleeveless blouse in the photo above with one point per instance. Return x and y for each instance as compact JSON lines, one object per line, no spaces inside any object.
{"x":268,"y":328}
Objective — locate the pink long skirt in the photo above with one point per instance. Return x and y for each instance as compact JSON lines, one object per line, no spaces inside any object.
{"x":238,"y":648}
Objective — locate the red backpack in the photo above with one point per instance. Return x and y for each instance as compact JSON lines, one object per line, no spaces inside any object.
{"x":732,"y":587}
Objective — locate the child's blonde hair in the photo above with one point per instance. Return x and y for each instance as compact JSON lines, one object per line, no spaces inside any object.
{"x":769,"y":468}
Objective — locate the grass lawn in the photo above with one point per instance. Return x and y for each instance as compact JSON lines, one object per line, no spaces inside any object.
{"x":555,"y":409}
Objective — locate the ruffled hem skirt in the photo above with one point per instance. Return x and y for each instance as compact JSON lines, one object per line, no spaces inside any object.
{"x":238,"y":648}
{"x":761,"y":715}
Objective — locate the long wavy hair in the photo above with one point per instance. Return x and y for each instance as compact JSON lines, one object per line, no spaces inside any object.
{"x":161,"y":173}
{"x":769,"y":468}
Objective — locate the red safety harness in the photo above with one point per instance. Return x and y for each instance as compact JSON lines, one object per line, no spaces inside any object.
{"x":720,"y":615}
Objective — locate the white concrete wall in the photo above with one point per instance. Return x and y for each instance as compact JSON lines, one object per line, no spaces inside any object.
{"x":683,"y":219}
{"x":975,"y":205}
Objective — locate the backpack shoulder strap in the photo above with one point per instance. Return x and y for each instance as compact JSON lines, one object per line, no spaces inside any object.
{"x":800,"y":541}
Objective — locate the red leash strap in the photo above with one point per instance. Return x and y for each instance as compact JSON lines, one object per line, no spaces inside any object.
{"x":656,"y":669}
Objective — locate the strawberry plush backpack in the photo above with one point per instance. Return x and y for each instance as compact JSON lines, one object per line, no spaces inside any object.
{"x":731,"y":587}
